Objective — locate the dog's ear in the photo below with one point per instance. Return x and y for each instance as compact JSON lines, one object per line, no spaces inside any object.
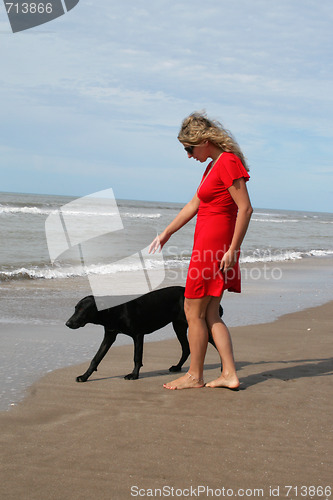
{"x":92,"y":301}
{"x":86,"y":301}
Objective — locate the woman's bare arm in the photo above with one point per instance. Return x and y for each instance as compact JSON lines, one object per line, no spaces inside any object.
{"x":239,"y":193}
{"x":185,"y":215}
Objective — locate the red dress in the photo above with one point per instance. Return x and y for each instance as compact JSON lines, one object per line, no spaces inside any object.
{"x":214,"y":230}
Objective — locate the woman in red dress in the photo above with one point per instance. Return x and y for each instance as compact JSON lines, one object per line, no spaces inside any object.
{"x":223,"y":210}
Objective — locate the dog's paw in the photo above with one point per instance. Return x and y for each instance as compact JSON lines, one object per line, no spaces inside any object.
{"x":131,"y":376}
{"x":81,"y":378}
{"x":175,"y":368}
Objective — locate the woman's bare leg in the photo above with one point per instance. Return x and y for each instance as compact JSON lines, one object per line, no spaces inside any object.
{"x":222,"y":339}
{"x":195,"y":310}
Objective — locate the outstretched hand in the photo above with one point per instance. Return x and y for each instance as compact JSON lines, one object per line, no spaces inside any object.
{"x":155,"y":245}
{"x":158,"y":243}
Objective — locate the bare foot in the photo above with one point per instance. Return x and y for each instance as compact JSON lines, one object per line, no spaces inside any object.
{"x":228,"y":382}
{"x":187,"y":381}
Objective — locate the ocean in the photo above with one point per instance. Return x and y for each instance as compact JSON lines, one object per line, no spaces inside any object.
{"x":274,"y":236}
{"x":56,"y":249}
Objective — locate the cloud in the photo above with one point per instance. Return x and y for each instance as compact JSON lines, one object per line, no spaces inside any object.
{"x":109,"y":83}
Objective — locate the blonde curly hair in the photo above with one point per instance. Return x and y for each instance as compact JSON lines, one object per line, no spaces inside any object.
{"x":197,"y":128}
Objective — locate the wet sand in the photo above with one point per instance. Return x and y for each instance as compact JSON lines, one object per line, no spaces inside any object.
{"x":110,"y":438}
{"x":37,"y":341}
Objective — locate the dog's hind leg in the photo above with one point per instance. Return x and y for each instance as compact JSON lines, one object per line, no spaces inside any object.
{"x":138,"y":353}
{"x":180,"y":327}
{"x":109,"y":338}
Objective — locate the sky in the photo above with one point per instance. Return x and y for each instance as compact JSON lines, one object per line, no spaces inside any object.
{"x":95,"y":99}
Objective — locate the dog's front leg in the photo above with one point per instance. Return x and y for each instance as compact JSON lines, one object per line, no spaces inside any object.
{"x":109,"y":338}
{"x":138,"y":352}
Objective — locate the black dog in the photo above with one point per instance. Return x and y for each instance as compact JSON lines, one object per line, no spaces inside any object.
{"x":136,"y":318}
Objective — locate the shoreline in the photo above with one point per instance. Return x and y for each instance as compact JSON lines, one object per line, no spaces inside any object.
{"x":28,"y":351}
{"x":107,"y":435}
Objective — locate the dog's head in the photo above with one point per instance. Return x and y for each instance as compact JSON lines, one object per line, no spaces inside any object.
{"x":85,"y":312}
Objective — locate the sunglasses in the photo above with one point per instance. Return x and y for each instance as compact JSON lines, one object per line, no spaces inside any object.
{"x":189,"y":149}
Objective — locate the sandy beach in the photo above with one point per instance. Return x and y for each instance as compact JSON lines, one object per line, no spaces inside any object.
{"x":115,"y":439}
{"x":37,"y":341}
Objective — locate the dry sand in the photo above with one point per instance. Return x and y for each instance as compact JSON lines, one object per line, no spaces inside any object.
{"x":69,"y":441}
